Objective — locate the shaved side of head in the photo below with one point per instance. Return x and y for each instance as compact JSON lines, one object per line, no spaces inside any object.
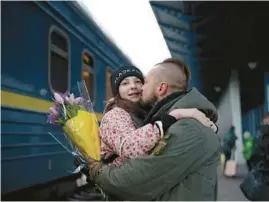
{"x":172,"y":73}
{"x":165,"y":78}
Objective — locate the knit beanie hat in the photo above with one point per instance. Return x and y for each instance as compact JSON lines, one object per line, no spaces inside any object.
{"x":121,"y":73}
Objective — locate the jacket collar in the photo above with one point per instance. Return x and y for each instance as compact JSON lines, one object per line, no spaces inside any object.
{"x":157,"y":106}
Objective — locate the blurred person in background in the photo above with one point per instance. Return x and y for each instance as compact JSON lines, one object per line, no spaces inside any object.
{"x":256,"y":184}
{"x":260,"y":152}
{"x":248,"y":148}
{"x":228,"y":144}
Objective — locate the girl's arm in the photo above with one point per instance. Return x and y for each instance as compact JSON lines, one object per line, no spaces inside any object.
{"x":118,"y":132}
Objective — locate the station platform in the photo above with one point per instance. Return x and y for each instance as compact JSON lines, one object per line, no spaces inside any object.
{"x":228,"y":188}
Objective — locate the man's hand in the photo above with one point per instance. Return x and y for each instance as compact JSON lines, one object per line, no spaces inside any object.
{"x":92,"y":169}
{"x":78,"y":162}
{"x":193,"y":113}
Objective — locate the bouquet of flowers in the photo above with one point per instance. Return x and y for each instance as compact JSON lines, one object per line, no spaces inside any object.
{"x":79,"y":123}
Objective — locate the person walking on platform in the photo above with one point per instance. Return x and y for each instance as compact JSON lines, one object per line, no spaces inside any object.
{"x":229,"y":144}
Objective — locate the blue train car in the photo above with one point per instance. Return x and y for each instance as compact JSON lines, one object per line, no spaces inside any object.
{"x":46,"y":46}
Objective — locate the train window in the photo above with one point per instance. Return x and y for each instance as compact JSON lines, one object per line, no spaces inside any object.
{"x":88,"y":74}
{"x":108,"y":84}
{"x":58,"y":61}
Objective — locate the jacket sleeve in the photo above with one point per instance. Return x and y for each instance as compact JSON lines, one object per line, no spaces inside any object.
{"x":148,"y":177}
{"x":118,"y":132}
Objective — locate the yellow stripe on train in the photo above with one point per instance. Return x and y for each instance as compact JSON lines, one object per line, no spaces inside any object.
{"x":11,"y":99}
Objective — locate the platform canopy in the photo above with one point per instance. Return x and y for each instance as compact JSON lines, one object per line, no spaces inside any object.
{"x":219,"y":36}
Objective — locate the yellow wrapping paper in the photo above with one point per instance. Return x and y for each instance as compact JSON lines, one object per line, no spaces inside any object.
{"x":83,"y":131}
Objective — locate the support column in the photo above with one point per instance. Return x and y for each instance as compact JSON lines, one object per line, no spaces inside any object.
{"x":235,"y":104}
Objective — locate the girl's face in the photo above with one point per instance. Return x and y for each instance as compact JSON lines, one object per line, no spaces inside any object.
{"x":130,"y":89}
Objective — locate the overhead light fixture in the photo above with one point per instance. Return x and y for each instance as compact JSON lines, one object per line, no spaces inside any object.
{"x":217,"y":89}
{"x":252,"y":65}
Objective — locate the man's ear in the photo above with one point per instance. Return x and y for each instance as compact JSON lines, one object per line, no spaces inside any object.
{"x":162,"y":89}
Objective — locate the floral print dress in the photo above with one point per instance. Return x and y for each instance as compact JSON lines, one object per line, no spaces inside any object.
{"x":120,"y":136}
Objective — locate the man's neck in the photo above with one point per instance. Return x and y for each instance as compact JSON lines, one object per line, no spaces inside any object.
{"x":160,"y":103}
{"x":159,"y":98}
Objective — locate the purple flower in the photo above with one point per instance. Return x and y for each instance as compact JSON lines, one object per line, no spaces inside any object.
{"x":65,"y":96}
{"x":88,"y":105}
{"x":79,"y":100}
{"x":51,"y":119}
{"x":58,"y":98}
{"x":53,"y":111}
{"x":70,"y":99}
